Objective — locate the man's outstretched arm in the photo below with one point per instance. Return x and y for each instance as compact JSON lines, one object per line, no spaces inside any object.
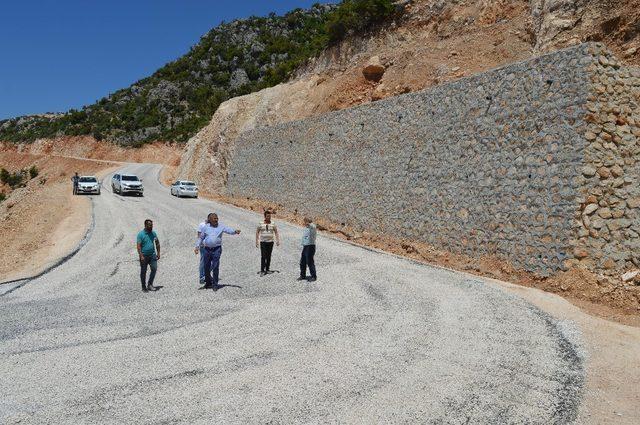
{"x":230,"y":231}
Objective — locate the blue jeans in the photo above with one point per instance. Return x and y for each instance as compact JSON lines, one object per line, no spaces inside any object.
{"x":306,"y":260}
{"x":212,"y":265}
{"x":149,"y":260}
{"x":201,"y":263}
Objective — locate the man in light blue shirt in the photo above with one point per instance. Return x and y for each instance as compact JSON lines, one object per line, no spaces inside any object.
{"x":201,"y":267}
{"x":308,"y":251}
{"x":210,"y":237}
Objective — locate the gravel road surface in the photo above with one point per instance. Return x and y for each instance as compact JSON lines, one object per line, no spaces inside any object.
{"x":377,"y":339}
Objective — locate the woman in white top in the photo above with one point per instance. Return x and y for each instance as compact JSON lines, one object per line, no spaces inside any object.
{"x":266,"y":233}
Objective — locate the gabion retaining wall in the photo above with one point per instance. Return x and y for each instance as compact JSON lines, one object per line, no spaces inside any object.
{"x":523,"y":162}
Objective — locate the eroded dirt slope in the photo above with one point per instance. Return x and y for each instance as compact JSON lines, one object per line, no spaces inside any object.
{"x":42,"y":221}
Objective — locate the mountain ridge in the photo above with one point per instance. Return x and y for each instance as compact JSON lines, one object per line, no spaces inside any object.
{"x":232,"y":59}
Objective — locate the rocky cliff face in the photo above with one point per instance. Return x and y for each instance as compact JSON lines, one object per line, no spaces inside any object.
{"x":557,"y":23}
{"x":208,"y":154}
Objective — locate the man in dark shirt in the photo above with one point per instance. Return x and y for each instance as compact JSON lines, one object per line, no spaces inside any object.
{"x":75,"y":179}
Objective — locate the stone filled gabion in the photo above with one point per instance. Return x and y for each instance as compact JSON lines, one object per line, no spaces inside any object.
{"x":607,"y":222}
{"x":534,"y":162}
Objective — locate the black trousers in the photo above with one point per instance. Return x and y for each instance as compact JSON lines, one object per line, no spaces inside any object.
{"x":266,"y":248}
{"x":306,"y":260}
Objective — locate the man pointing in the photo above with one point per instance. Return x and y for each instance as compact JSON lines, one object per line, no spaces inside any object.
{"x":210,"y":237}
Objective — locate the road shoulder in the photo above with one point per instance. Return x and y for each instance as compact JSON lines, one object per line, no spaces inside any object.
{"x":613,"y":350}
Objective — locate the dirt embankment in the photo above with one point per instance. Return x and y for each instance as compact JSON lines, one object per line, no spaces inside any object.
{"x":42,"y":221}
{"x":86,"y":147}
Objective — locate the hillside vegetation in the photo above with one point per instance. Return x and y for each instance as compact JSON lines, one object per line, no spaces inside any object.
{"x":231,"y":60}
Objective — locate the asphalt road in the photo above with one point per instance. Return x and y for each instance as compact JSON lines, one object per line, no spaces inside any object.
{"x":377,"y":339}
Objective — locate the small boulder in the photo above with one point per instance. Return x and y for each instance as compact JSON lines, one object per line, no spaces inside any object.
{"x":374,"y":70}
{"x":239,"y":78}
{"x":379,"y":93}
{"x":630,"y":275}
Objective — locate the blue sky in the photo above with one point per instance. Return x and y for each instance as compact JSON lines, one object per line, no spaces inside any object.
{"x":62,"y":54}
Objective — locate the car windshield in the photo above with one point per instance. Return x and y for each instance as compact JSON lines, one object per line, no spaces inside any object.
{"x":188,"y":184}
{"x":88,"y":180}
{"x":130,"y":178}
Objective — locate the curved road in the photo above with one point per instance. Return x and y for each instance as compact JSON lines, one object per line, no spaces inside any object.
{"x":377,"y":339}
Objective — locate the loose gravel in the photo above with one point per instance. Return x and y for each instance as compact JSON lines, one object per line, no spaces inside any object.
{"x":377,"y":339}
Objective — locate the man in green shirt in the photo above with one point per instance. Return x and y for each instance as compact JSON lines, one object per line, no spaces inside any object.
{"x":148,"y":243}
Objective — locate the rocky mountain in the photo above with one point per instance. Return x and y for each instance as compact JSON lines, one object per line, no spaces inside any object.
{"x":233,"y":59}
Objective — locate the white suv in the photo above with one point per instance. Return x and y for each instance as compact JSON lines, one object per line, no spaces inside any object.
{"x":126,"y":183}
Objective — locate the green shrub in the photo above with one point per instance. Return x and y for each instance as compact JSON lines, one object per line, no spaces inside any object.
{"x":357,"y":16}
{"x":13,"y":179}
{"x":33,"y":172}
{"x":5,"y":176}
{"x":2,"y":196}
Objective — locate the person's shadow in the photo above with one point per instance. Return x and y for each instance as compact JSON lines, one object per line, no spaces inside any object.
{"x":219,"y":287}
{"x":228,"y":286}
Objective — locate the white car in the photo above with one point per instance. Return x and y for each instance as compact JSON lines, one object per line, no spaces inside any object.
{"x":184,"y":188}
{"x":88,"y":184}
{"x":126,"y":183}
